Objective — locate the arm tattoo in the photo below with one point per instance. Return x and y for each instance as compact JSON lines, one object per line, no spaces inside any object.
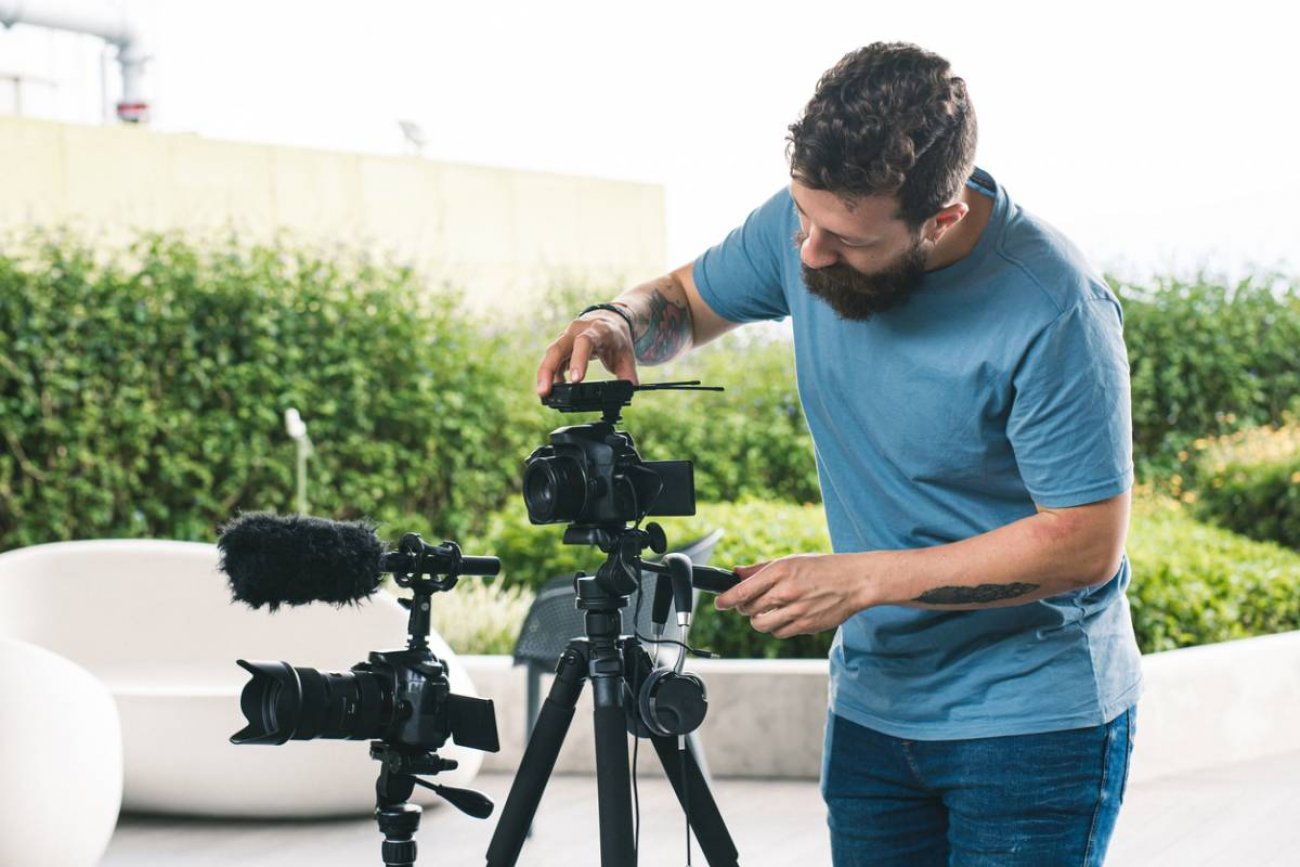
{"x":665,"y":328}
{"x":981,"y":594}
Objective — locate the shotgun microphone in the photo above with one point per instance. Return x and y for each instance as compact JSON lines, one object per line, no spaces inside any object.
{"x":276,"y":560}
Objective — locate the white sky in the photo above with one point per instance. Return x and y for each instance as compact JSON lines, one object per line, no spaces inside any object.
{"x":1160,"y":136}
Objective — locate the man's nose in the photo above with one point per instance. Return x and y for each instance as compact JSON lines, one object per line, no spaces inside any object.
{"x":816,"y":251}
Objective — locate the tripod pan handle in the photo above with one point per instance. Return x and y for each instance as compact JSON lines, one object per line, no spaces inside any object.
{"x":711,"y":579}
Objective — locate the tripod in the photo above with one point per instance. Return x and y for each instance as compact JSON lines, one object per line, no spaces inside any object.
{"x":615,"y":665}
{"x":413,"y":752}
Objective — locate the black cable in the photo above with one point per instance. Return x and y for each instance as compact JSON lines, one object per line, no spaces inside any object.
{"x":686,"y":796}
{"x":698,"y":652}
{"x":636,"y":802}
{"x":636,"y":752}
{"x":681,"y":752}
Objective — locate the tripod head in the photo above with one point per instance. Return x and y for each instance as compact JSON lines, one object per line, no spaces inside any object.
{"x":621,"y":572}
{"x":398,"y":820}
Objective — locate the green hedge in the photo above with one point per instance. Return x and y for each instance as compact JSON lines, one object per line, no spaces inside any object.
{"x":1206,"y":359}
{"x":143,"y":395}
{"x":1198,"y":584}
{"x":1249,"y":482}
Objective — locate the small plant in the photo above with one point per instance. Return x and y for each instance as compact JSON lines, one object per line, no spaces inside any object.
{"x":1249,"y":482}
{"x":1198,"y":584}
{"x":482,"y":618}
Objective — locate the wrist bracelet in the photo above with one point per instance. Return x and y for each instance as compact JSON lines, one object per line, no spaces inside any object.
{"x":614,"y":308}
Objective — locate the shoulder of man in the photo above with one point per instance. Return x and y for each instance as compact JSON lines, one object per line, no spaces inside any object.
{"x":1054,"y":264}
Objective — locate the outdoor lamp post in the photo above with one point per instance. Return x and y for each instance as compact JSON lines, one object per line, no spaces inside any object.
{"x":297,"y":429}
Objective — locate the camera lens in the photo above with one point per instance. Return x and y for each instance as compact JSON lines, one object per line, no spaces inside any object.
{"x":283,"y":703}
{"x":555,"y":489}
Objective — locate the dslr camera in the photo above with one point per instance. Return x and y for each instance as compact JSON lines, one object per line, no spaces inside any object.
{"x":591,"y":477}
{"x":400,"y":700}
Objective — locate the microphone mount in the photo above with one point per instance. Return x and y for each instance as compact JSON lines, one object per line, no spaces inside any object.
{"x":427,"y":569}
{"x":414,"y":559}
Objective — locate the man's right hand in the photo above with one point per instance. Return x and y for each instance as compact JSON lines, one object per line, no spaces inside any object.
{"x":668,"y":312}
{"x":600,"y":333}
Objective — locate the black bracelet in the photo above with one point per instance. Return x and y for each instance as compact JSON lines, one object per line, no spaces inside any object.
{"x":616,"y":309}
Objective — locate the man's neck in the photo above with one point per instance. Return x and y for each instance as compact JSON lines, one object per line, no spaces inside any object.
{"x":960,"y":240}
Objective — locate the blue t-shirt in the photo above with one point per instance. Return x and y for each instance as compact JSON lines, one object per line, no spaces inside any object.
{"x":1001,"y":383}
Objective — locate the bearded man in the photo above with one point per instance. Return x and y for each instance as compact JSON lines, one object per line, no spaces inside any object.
{"x":963,"y":373}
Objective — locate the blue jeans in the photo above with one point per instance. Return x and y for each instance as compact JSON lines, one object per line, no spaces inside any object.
{"x":1039,"y":800}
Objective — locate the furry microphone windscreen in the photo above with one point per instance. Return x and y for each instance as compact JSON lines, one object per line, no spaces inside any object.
{"x":295,"y":559}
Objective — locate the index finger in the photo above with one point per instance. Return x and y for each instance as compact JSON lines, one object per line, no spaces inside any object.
{"x":552,"y":361}
{"x":751,"y":587}
{"x":582,"y":346}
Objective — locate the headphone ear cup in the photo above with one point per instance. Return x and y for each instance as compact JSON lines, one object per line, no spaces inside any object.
{"x":632,"y":714}
{"x":672,"y":703}
{"x":645,"y":700}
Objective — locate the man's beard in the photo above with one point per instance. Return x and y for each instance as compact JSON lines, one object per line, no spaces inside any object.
{"x":857,"y":296}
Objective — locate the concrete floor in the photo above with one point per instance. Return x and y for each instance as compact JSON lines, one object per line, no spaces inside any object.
{"x":1241,"y":815}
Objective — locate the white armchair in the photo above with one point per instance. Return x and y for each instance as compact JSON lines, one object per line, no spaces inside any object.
{"x":153,"y":621}
{"x":60,"y":760}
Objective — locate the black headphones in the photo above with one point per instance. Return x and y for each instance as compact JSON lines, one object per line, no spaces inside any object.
{"x":671,"y":702}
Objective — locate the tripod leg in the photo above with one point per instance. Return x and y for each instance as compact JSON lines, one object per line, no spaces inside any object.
{"x":539,"y":757}
{"x":613,"y":776}
{"x":706,"y":820}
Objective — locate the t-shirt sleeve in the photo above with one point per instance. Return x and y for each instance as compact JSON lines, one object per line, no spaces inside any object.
{"x":741,"y":278}
{"x":1071,"y":419}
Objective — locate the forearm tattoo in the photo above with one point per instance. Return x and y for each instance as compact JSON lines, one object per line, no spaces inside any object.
{"x":664,"y":328}
{"x":978,"y":595}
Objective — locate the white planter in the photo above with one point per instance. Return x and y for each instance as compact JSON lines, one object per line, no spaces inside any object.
{"x":1203,"y":706}
{"x":1218,"y":703}
{"x":765,"y":717}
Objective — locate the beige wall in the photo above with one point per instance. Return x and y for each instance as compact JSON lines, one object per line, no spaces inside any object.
{"x":496,"y":233}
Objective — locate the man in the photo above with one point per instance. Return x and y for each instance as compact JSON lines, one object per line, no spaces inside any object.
{"x":965,"y":381}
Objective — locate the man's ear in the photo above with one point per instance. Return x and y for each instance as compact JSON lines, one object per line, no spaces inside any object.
{"x":940,"y":223}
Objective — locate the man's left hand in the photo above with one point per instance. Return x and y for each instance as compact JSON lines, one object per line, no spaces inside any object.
{"x":798,"y":595}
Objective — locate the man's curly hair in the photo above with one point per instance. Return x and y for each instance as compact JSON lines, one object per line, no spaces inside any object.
{"x":888,"y":119}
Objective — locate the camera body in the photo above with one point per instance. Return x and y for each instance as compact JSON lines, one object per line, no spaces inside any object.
{"x":402,"y":697}
{"x":591,"y":477}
